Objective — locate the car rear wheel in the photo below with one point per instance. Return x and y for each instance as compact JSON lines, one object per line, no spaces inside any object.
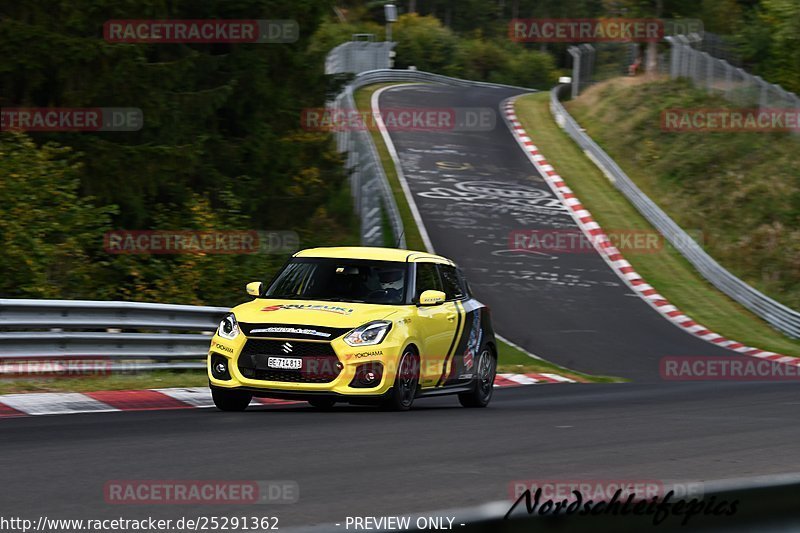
{"x":230,"y":399}
{"x":484,"y":381}
{"x":322,"y":403}
{"x":402,"y":394}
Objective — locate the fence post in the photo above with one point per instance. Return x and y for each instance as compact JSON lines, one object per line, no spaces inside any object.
{"x":355,"y":178}
{"x":728,"y":78}
{"x":684,"y":56}
{"x":575,"y":52}
{"x":762,"y":92}
{"x":674,"y":57}
{"x":588,"y":68}
{"x":743,"y":75}
{"x":786,"y":96}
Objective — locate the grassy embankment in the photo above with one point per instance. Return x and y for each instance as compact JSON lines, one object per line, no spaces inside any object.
{"x":732,"y":187}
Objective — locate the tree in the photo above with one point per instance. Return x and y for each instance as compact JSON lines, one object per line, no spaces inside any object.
{"x":50,"y":236}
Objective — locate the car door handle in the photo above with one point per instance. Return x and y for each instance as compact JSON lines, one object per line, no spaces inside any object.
{"x":451,"y":317}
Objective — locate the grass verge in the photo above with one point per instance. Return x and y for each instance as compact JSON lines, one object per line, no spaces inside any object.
{"x":666,"y":270}
{"x":145,"y":380}
{"x":509,"y":358}
{"x":413,"y":238}
{"x":514,"y":360}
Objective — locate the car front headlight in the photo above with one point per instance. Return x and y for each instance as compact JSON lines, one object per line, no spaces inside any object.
{"x":228,"y":327}
{"x":368,"y":334}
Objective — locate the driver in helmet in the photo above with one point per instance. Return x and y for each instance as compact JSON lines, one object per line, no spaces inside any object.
{"x":391,"y":286}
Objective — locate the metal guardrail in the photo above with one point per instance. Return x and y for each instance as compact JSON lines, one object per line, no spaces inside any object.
{"x":359,"y":56}
{"x":70,"y":314}
{"x":70,"y":328}
{"x":781,"y":317}
{"x":372,"y":195}
{"x":371,"y":191}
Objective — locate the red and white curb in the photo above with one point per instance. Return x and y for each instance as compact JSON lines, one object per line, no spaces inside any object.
{"x":612,"y":255}
{"x":61,"y":403}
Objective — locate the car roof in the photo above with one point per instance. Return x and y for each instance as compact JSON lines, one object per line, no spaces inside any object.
{"x":373,"y":253}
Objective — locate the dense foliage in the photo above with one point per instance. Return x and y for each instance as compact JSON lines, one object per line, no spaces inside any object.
{"x":221,"y":149}
{"x":764,"y":34}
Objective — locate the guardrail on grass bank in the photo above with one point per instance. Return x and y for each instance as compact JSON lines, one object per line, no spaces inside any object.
{"x":779,"y":316}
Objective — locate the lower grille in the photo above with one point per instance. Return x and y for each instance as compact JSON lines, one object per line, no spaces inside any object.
{"x":318,"y":360}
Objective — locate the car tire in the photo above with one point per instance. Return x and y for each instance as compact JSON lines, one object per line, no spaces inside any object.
{"x":481,"y":394}
{"x":231,"y":399}
{"x":323,"y":404}
{"x":406,"y":382}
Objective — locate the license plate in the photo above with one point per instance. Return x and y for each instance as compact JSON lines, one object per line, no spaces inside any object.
{"x":285,"y":363}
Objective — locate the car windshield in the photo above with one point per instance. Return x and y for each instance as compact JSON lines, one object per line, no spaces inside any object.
{"x":341,"y":280}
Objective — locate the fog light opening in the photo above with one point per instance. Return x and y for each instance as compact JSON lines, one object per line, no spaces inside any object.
{"x":219,"y":368}
{"x":367,"y":376}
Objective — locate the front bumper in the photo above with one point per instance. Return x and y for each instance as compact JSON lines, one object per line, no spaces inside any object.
{"x":330,"y":368}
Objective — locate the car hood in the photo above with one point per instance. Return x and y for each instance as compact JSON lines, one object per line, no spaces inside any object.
{"x":310,"y":312}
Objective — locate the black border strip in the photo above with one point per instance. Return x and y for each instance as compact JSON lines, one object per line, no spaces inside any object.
{"x":459,"y":312}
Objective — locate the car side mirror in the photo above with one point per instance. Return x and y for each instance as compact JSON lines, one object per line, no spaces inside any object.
{"x":431,"y":298}
{"x":254,"y":288}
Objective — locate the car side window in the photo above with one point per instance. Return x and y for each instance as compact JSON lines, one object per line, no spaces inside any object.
{"x":452,"y":288}
{"x":462,"y":282}
{"x":427,"y":279}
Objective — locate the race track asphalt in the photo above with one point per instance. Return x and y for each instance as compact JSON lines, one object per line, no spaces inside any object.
{"x":474,"y":188}
{"x":360,"y":461}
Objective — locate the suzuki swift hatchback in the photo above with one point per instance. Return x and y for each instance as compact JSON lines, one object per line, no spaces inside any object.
{"x":356,"y":325}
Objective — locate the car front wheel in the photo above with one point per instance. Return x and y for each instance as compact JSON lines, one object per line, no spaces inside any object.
{"x":405,"y":386}
{"x":323,"y":404}
{"x":230,"y":399}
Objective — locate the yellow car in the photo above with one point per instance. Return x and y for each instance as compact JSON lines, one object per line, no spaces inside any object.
{"x":356,"y":325}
